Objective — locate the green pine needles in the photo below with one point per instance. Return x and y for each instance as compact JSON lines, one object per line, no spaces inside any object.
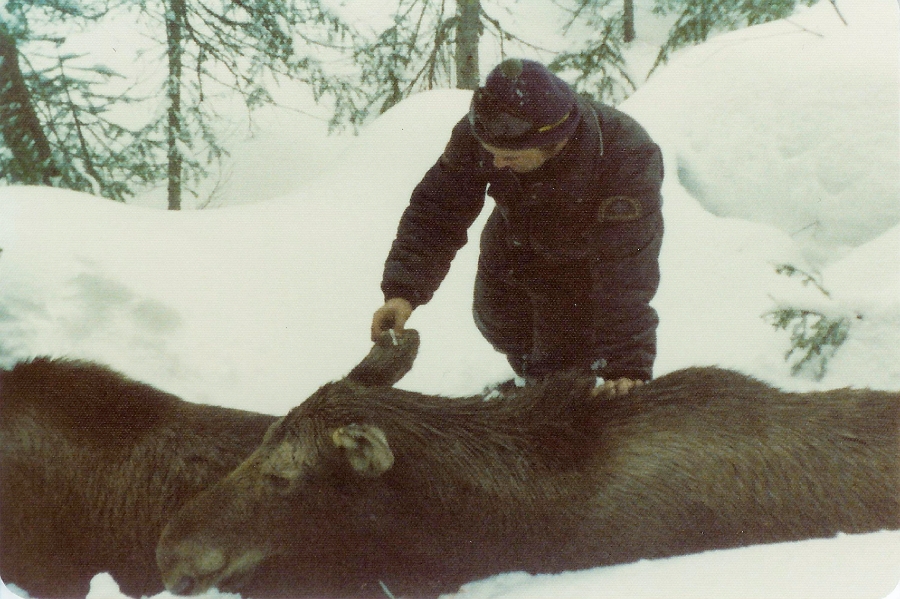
{"x":815,"y":337}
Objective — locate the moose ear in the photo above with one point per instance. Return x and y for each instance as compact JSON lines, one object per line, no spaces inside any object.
{"x":366,"y":448}
{"x":388,"y":361}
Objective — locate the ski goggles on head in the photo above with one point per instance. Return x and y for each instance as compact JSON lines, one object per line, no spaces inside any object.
{"x":492,"y":120}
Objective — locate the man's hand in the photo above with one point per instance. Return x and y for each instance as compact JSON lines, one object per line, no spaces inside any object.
{"x":392,"y":315}
{"x":616,"y":388}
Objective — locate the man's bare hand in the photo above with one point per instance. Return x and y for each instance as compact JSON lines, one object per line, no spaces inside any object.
{"x":616,"y":388}
{"x":392,"y":315}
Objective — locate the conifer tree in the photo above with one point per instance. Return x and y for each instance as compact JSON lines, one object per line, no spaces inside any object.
{"x":55,"y":124}
{"x":212,"y":47}
{"x":237,"y":45}
{"x":429,"y":44}
{"x":599,"y":63}
{"x":26,"y":157}
{"x":698,"y":19}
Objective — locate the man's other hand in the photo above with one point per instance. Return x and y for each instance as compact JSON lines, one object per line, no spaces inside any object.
{"x":616,"y":387}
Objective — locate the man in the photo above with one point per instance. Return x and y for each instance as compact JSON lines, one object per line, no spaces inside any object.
{"x":569,"y":256}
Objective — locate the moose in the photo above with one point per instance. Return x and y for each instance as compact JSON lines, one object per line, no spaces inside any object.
{"x":366,"y":490}
{"x":93,"y":465}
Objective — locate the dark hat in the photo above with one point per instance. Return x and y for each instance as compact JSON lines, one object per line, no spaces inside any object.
{"x":523,"y":105}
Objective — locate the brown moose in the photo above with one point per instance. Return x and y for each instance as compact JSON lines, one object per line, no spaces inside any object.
{"x":92,"y":466}
{"x":363,"y":490}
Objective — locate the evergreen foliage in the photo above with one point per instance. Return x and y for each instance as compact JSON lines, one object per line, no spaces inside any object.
{"x":600,"y":65}
{"x":214,"y":48}
{"x":421,"y":49}
{"x":92,"y":151}
{"x":698,"y":19}
{"x":58,"y":126}
{"x":240,"y":46}
{"x":412,"y":54}
{"x":815,"y":337}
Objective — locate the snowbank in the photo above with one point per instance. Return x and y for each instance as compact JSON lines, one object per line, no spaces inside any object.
{"x":794,"y":123}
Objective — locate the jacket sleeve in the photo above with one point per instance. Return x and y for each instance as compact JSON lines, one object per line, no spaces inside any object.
{"x":433,"y":227}
{"x":625,"y":271}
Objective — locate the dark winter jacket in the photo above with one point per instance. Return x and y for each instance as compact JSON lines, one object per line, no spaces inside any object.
{"x":588,"y":217}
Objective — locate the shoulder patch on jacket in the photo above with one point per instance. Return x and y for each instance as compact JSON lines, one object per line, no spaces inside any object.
{"x":618,"y":209}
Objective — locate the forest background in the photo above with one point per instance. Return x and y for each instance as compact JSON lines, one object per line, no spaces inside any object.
{"x":126,"y":112}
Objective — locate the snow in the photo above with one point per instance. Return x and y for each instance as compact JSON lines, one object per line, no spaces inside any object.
{"x":781,"y":147}
{"x":808,"y":176}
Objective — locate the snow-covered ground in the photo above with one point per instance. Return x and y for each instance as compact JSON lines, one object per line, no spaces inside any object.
{"x":781,"y":146}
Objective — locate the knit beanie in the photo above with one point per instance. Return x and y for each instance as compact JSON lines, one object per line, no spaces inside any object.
{"x":523,"y":105}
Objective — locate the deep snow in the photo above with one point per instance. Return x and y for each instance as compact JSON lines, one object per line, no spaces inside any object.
{"x":781,"y":146}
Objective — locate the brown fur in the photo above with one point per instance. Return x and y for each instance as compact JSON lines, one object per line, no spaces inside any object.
{"x":92,"y":465}
{"x":390,"y":358}
{"x":545,"y":481}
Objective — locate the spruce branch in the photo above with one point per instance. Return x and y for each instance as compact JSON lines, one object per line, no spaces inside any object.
{"x":815,"y":337}
{"x":806,"y":278}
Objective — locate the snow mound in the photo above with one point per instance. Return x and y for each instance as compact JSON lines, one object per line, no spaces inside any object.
{"x":794,"y":123}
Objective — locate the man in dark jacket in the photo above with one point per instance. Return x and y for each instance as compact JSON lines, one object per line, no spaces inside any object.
{"x":569,"y":256}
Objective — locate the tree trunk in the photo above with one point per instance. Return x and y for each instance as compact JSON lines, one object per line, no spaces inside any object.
{"x":628,"y":15}
{"x":176,"y":15}
{"x":22,"y":132}
{"x":468,"y":31}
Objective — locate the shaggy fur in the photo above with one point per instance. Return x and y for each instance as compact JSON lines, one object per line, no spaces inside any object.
{"x":547,"y":480}
{"x":92,"y":465}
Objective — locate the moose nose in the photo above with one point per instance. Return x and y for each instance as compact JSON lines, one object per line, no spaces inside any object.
{"x":183,"y":586}
{"x":187,"y":565}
